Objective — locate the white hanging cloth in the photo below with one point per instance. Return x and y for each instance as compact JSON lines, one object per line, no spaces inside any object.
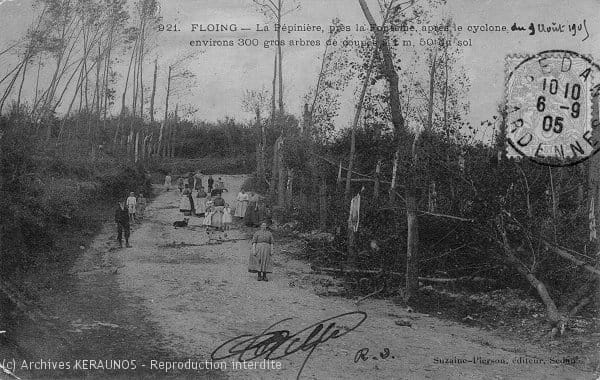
{"x":354,"y":217}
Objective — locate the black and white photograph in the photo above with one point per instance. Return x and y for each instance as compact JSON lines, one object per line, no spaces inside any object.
{"x":299,"y":189}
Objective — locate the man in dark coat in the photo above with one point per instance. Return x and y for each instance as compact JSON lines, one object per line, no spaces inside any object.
{"x":211,"y":181}
{"x":122,"y":220}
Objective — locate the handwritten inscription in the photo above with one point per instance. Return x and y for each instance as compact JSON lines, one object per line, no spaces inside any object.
{"x":362,"y":355}
{"x":555,"y":27}
{"x":277,"y":344}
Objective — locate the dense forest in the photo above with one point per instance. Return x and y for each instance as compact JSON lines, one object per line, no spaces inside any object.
{"x":440,"y":203}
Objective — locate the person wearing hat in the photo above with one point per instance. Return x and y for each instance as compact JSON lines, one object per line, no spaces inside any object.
{"x":122,"y":220}
{"x":262,"y":249}
{"x":211,"y":182}
{"x":197,"y":180}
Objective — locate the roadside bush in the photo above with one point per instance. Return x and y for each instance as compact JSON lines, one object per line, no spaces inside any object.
{"x":117,"y":182}
{"x":61,"y":200}
{"x":46,"y":191}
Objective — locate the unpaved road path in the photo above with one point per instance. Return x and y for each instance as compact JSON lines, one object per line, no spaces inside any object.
{"x":200,"y":295}
{"x":180,"y":293}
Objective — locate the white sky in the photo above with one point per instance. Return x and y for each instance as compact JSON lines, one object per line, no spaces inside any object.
{"x":224,"y":73}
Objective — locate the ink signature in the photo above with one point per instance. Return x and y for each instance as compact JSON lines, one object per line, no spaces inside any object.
{"x":278,"y":344}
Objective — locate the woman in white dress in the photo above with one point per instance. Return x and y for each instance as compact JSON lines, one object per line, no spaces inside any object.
{"x":241,"y":205}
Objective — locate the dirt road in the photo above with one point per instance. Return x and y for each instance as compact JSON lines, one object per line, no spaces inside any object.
{"x":198,"y":294}
{"x":180,"y":293}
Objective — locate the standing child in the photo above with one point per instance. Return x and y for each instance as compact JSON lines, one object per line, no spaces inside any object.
{"x":168,"y":181}
{"x":131,"y":206}
{"x":209,"y":212}
{"x":226,"y":217}
{"x":180,"y":184}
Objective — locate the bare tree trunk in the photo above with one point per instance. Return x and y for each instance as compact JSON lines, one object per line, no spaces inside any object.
{"x":260,"y":163}
{"x":412,"y":246}
{"x":119,"y":122}
{"x":554,"y":317}
{"x":10,"y":86}
{"x":129,"y":142}
{"x":280,"y":52}
{"x":432,"y":72}
{"x":136,"y":155}
{"x":107,"y":75}
{"x":96,"y":101}
{"x":273,"y":107}
{"x":594,"y":196}
{"x":339,"y":179}
{"x":377,"y":179}
{"x":21,"y":85}
{"x":350,"y":164}
{"x":172,"y":140}
{"x":274,"y":168}
{"x":554,"y":194}
{"x":323,"y":210}
{"x":153,"y":92}
{"x":141,"y":68}
{"x":351,"y":245}
{"x":162,"y":126}
{"x":289,"y":190}
{"x":412,"y":240}
{"x":446,"y":67}
{"x":174,"y":130}
{"x":263,"y":154}
{"x":143,"y":147}
{"x":258,"y":160}
{"x":282,"y":179}
{"x":37,"y":83}
{"x":359,"y":105}
{"x":389,"y":71}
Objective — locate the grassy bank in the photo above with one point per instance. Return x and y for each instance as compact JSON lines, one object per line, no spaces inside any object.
{"x":53,"y":199}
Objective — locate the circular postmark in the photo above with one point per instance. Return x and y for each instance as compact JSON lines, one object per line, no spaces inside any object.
{"x":552,"y":107}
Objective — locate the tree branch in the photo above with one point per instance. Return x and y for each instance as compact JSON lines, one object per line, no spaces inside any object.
{"x":572,"y":258}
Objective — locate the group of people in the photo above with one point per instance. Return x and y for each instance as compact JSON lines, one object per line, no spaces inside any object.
{"x":128,"y":212}
{"x":194,"y":182}
{"x":252,"y":208}
{"x":211,"y":206}
{"x":218,"y":214}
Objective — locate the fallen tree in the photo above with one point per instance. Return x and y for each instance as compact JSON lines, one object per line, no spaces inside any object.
{"x":398,"y":274}
{"x":557,"y":317}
